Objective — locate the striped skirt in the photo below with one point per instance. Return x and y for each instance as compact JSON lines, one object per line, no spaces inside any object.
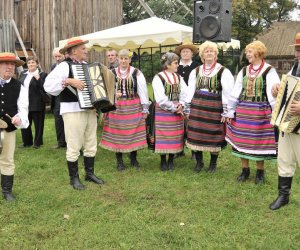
{"x":205,"y":132}
{"x":169,"y":130}
{"x":124,"y":129}
{"x":250,"y":133}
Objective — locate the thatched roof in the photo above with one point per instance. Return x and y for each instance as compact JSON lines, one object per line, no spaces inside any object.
{"x":278,"y":38}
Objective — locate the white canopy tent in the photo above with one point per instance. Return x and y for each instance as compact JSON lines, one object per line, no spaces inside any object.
{"x":152,"y":32}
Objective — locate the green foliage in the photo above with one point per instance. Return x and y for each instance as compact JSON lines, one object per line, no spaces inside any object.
{"x":143,"y":209}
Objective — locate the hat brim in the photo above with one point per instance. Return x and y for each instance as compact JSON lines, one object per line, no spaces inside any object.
{"x":193,"y":48}
{"x":294,"y":45}
{"x":67,"y":46}
{"x":18,"y":62}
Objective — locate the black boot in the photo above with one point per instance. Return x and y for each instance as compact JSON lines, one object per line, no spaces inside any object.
{"x":171,"y":162}
{"x":163,"y":163}
{"x":284,"y":187}
{"x":133,"y":160}
{"x":7,"y":182}
{"x":199,"y":159}
{"x":120,"y":163}
{"x":244,"y":175}
{"x":89,"y":170}
{"x":260,"y":176}
{"x":213,"y":163}
{"x":74,"y":177}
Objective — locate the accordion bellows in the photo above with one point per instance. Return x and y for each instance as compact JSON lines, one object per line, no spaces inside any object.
{"x":289,"y":91}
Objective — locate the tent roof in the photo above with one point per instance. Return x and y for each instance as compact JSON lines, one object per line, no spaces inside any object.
{"x":148,"y":33}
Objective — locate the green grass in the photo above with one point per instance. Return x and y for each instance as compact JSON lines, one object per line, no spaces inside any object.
{"x":143,"y":209}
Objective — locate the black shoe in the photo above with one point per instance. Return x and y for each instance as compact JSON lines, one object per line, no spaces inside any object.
{"x":213,"y":163}
{"x":284,"y":187}
{"x":199,"y":158}
{"x":133,"y":160}
{"x":163,"y":163}
{"x":36,"y":147}
{"x":120,"y":163}
{"x":212,"y":168}
{"x":260,"y":177}
{"x":89,"y":170}
{"x":7,"y":184}
{"x":59,"y":146}
{"x":244,"y":175}
{"x":74,"y":177}
{"x":171,"y":166}
{"x":24,"y":146}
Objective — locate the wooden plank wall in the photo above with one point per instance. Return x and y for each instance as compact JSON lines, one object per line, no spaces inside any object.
{"x":44,"y":23}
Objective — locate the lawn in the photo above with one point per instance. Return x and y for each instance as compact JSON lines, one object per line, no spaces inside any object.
{"x":146,"y":209}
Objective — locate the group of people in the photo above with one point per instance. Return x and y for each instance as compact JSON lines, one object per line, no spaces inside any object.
{"x":203,"y":101}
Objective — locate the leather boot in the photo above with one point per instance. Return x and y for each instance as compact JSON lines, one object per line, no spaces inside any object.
{"x":284,"y":187}
{"x":7,"y":182}
{"x":133,"y":160}
{"x":74,"y":177}
{"x":199,"y":159}
{"x":120,"y":163}
{"x":163,"y":163}
{"x":260,"y":176}
{"x":89,"y":170}
{"x":244,"y":175}
{"x":213,"y":163}
{"x":171,"y":162}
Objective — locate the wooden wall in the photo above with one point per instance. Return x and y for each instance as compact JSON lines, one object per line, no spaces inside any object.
{"x":42,"y":23}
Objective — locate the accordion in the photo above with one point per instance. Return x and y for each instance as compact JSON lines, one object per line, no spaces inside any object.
{"x":99,"y":86}
{"x":289,"y":91}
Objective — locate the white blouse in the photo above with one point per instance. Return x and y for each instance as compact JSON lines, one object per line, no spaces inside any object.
{"x":227,"y":82}
{"x":272,"y":78}
{"x":159,"y":92}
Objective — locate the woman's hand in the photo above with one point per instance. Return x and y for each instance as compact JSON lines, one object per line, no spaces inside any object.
{"x":228,"y":120}
{"x":275,"y":90}
{"x":223,"y":119}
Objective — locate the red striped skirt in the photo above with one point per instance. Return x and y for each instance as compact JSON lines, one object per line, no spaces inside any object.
{"x":250,"y":133}
{"x":124,"y":129}
{"x":205,"y":132}
{"x":169,"y":130}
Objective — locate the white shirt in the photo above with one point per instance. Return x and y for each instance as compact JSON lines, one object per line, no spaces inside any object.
{"x":160,"y":96}
{"x":22,"y":104}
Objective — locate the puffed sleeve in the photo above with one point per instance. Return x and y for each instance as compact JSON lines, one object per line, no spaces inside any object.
{"x":142,"y":91}
{"x":272,"y":79}
{"x":160,"y":97}
{"x":191,"y":86}
{"x":54,"y":81}
{"x":233,"y":97}
{"x":227,"y":82}
{"x":23,"y":104}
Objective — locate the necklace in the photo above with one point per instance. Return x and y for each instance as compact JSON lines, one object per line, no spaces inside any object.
{"x":169,"y":78}
{"x":126,"y":74}
{"x":253,"y":73}
{"x":208,"y":71}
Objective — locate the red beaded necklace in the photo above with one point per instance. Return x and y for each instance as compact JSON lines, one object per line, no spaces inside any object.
{"x":169,"y":78}
{"x":127,"y":74}
{"x":208,"y":71}
{"x":253,"y":73}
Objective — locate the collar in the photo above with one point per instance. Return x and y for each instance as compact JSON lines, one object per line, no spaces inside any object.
{"x":6,"y":81}
{"x":184,"y":65}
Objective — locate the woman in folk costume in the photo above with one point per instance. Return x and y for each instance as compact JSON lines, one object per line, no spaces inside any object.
{"x":249,"y":130}
{"x":209,"y":88}
{"x":124,"y":129}
{"x":170,"y":95}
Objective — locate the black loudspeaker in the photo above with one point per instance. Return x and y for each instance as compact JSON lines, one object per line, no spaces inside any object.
{"x":212,"y":20}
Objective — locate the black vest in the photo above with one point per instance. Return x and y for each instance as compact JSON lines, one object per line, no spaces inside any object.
{"x":185,"y":71}
{"x":66,"y":95}
{"x":294,"y":70}
{"x":9,"y":95}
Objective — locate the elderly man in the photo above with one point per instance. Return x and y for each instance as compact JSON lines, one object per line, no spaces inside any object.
{"x":112,"y":58}
{"x":80,"y":124}
{"x":13,"y":115}
{"x":55,"y":106}
{"x":289,"y":144}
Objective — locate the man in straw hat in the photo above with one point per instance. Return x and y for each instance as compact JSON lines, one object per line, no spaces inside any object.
{"x":80,"y":124}
{"x":289,"y":143}
{"x":186,"y":65}
{"x":13,"y":115}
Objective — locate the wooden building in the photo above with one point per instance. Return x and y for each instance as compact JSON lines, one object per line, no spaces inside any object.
{"x":42,"y":23}
{"x":278,"y":40}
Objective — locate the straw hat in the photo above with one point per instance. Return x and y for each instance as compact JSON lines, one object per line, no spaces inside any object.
{"x":72,"y":42}
{"x":190,"y":46}
{"x":10,"y":57}
{"x":297,"y":40}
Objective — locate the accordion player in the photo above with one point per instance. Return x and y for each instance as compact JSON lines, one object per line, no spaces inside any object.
{"x":99,"y":86}
{"x":289,"y":91}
